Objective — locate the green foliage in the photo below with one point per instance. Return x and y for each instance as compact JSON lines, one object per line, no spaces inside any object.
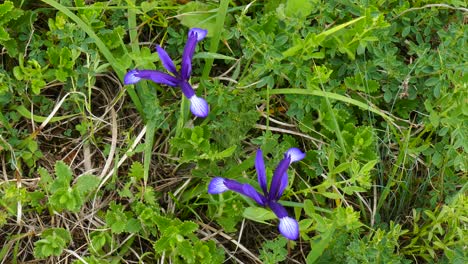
{"x":195,"y":145}
{"x":177,"y":240}
{"x":52,"y":243}
{"x":63,"y":196}
{"x":8,"y":15}
{"x":120,"y":221}
{"x":273,"y":251}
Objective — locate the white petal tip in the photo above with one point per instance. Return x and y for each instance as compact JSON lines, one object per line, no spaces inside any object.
{"x":199,"y":106}
{"x":199,"y":32}
{"x":131,"y":78}
{"x":295,"y":154}
{"x":289,"y":228}
{"x":217,"y":186}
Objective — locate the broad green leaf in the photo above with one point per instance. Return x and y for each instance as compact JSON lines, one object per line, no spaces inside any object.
{"x":198,"y":14}
{"x":258,"y":214}
{"x":319,"y":245}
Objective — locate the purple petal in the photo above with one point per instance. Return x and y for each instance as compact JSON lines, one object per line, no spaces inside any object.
{"x":276,"y":182}
{"x":199,"y":106}
{"x":278,"y":209}
{"x":189,"y":49}
{"x":199,"y":32}
{"x":295,"y":154}
{"x":289,"y":228}
{"x":283,"y":185}
{"x":134,"y":76}
{"x":187,"y":89}
{"x":260,"y":167}
{"x":252,"y":193}
{"x":166,"y":60}
{"x":217,"y":186}
{"x":131,"y":77}
{"x":245,"y":189}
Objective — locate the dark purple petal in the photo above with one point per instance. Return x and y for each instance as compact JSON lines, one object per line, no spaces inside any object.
{"x":283,"y":185}
{"x":199,"y":32}
{"x":187,"y":89}
{"x":245,"y":189}
{"x":252,"y":193}
{"x":289,"y":228}
{"x":166,"y":60}
{"x":155,"y":76}
{"x":131,"y":77}
{"x":278,"y":209}
{"x":217,"y":186}
{"x":278,"y":175}
{"x":261,"y":173}
{"x":186,"y":65}
{"x":295,"y":154}
{"x":199,"y":106}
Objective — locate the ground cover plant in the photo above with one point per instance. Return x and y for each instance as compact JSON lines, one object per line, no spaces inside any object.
{"x":341,"y":124}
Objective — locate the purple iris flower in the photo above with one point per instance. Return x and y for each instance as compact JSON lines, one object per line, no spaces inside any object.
{"x":288,"y":226}
{"x":198,"y":106}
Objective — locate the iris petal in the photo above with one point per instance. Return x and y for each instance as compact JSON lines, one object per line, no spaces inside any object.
{"x":278,"y":209}
{"x":199,"y":106}
{"x":289,"y":228}
{"x":278,"y":175}
{"x":244,"y":189}
{"x":295,"y":154}
{"x":252,"y":193}
{"x":166,"y":60}
{"x":187,"y":89}
{"x":155,"y":76}
{"x":189,"y":49}
{"x":260,"y":167}
{"x":199,"y":32}
{"x":283,"y":185}
{"x":217,"y":186}
{"x":131,"y":77}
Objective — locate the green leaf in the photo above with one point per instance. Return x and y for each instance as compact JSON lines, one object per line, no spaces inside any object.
{"x":136,"y":170}
{"x":86,"y":183}
{"x":319,"y":245}
{"x":63,"y":172}
{"x":274,"y":251}
{"x":198,"y":14}
{"x":258,"y":214}
{"x":299,"y":8}
{"x":309,"y":207}
{"x":186,"y":250}
{"x":187,"y":227}
{"x":209,"y":55}
{"x":116,"y":218}
{"x":53,"y":242}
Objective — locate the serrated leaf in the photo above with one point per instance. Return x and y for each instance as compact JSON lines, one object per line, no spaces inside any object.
{"x":136,"y":170}
{"x":163,"y":244}
{"x":86,"y":183}
{"x":63,"y":172}
{"x":185,"y":249}
{"x":187,"y":227}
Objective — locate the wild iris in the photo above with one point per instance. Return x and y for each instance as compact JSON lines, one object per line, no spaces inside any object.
{"x":198,"y":106}
{"x":288,"y":226}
